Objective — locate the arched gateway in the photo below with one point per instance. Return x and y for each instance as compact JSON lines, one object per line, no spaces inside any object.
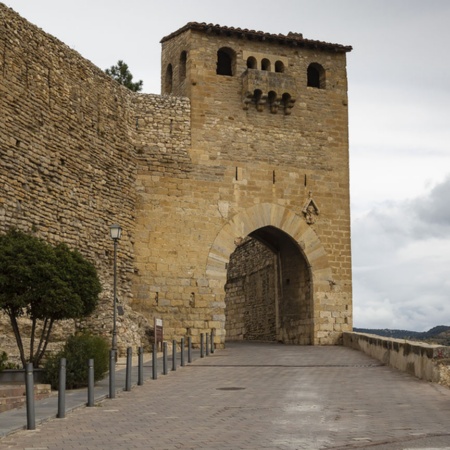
{"x":281,"y":302}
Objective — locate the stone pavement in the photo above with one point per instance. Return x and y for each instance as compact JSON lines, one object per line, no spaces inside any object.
{"x":261,"y":396}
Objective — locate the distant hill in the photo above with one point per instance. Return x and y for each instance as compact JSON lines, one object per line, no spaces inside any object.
{"x":436,"y":335}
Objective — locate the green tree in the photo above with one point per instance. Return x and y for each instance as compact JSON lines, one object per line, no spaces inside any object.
{"x":122,"y":75}
{"x":45,"y":284}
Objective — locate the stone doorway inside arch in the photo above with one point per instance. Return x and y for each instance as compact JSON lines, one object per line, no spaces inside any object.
{"x":268,"y":292}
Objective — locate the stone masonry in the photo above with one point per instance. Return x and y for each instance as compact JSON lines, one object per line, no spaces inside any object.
{"x":248,"y":141}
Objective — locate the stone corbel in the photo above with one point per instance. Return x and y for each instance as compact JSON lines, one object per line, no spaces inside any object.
{"x":274,"y":106}
{"x":288,"y":105}
{"x":247,"y":101}
{"x":260,"y":102}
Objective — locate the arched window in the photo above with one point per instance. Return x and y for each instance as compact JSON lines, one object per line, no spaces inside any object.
{"x":316,"y":76}
{"x":252,"y":63}
{"x":183,"y":59}
{"x":265,"y":64}
{"x":168,"y":81}
{"x":279,"y":67}
{"x":226,"y":59}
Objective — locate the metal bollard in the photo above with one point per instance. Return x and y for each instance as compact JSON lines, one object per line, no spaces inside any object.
{"x":62,"y":389}
{"x":140,"y":366}
{"x":112,"y":373}
{"x":202,"y":350}
{"x":90,"y":401}
{"x":182,"y":352}
{"x":128,"y":369}
{"x":212,"y":341}
{"x":174,"y":354}
{"x":189,"y":349}
{"x":207,"y":344}
{"x":165,"y":372}
{"x":155,"y":362}
{"x":29,"y":386}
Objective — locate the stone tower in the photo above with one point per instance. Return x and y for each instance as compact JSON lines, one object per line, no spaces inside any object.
{"x":248,"y":230}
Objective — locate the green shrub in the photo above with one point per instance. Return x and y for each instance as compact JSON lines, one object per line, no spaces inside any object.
{"x":4,"y":364}
{"x":77,"y":350}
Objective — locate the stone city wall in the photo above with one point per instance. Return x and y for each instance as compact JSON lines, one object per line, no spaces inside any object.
{"x":69,"y":159}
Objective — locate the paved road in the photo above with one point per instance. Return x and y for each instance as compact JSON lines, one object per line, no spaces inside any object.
{"x":261,"y":396}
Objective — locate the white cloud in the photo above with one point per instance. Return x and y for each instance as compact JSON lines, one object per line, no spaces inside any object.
{"x":401,"y":260}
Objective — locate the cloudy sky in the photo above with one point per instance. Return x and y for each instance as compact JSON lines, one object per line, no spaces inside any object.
{"x":399,"y":103}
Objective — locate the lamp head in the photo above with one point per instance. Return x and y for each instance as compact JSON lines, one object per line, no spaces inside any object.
{"x":115,"y":231}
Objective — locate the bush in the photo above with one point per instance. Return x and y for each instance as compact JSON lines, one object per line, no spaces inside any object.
{"x":77,"y":350}
{"x":4,"y":364}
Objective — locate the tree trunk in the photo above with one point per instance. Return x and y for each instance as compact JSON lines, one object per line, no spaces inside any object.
{"x":15,"y":327}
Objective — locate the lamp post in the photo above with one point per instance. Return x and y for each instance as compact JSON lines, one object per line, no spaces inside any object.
{"x":115,"y":232}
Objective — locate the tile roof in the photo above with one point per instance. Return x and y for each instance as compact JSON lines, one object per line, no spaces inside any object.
{"x":291,"y":39}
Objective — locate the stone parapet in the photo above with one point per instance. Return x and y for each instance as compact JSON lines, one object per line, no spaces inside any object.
{"x":425,"y":361}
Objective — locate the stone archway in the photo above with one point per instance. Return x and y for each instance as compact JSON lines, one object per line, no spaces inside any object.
{"x":286,"y":223}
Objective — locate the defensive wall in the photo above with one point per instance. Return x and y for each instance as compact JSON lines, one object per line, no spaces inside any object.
{"x":248,"y":141}
{"x":425,"y":361}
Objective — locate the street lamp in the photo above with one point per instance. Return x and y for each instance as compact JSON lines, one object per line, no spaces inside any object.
{"x":115,"y":231}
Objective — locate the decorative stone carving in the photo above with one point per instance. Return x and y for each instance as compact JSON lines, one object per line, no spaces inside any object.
{"x":310,"y":210}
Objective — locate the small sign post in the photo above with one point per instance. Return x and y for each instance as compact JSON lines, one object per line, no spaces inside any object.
{"x":159,"y":334}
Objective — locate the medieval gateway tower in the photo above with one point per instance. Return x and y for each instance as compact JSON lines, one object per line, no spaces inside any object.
{"x":232,"y":187}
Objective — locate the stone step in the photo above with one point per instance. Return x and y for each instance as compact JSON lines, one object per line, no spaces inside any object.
{"x":14,"y":396}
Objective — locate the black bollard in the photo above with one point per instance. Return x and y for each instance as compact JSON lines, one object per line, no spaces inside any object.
{"x":189,"y":349}
{"x":207,"y":344}
{"x":90,"y":401}
{"x":112,"y":373}
{"x":62,"y":389}
{"x":202,"y":339}
{"x":140,"y":366}
{"x":174,"y":354}
{"x":128,"y":369}
{"x":165,"y":371}
{"x":182,"y":352}
{"x":212,"y":341}
{"x":155,"y":362}
{"x":29,"y":386}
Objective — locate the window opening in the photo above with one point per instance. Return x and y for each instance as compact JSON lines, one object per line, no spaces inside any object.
{"x":265,"y":64}
{"x":225,"y":61}
{"x":183,"y":60}
{"x":168,"y":80}
{"x":279,"y":67}
{"x":251,"y":62}
{"x":316,"y":76}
